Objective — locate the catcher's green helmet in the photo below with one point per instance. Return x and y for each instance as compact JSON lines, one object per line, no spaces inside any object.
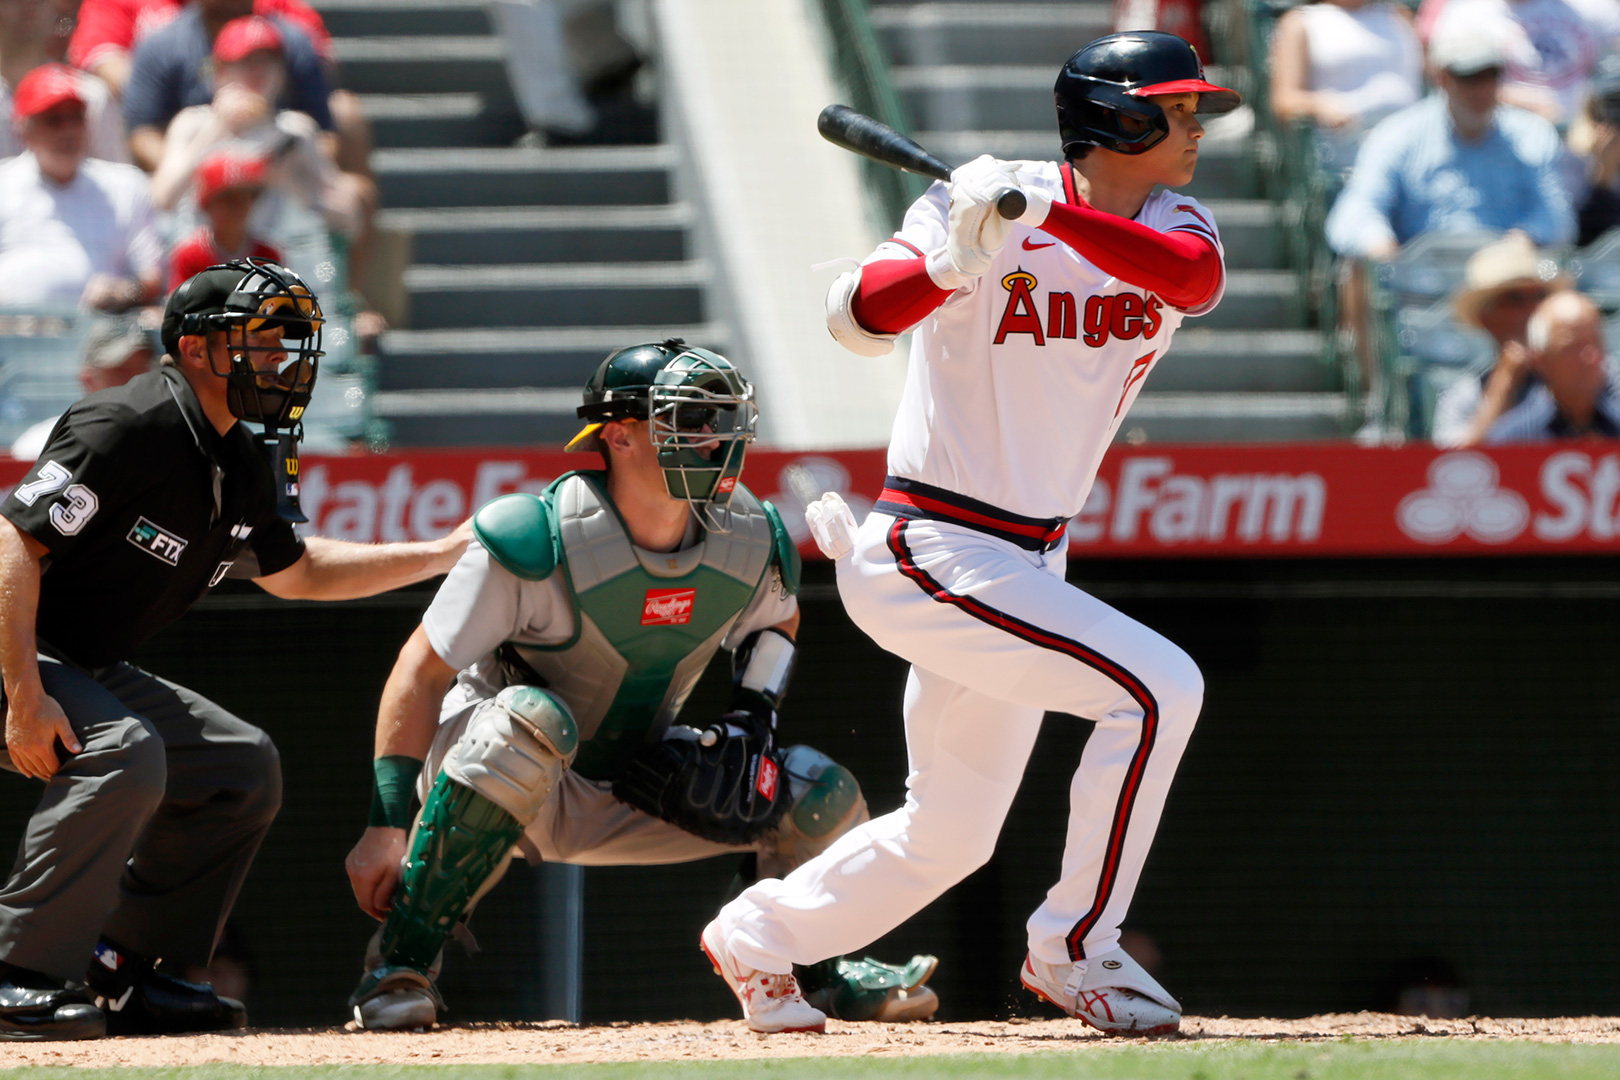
{"x":699,"y":411}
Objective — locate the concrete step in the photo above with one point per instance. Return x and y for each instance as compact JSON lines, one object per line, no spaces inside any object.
{"x":1224,"y":171}
{"x":372,"y":18}
{"x":1256,"y":299}
{"x":571,"y":294}
{"x":1243,"y":418}
{"x":405,"y":65}
{"x":517,"y":356}
{"x":586,"y":176}
{"x":525,"y":234}
{"x":534,"y":416}
{"x":436,"y":120}
{"x":958,"y":97}
{"x":1228,"y":361}
{"x":1004,"y":33}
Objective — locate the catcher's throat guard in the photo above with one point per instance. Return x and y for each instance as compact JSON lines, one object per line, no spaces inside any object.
{"x":271,"y":322}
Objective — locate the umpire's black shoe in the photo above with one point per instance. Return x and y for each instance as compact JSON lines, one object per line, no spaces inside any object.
{"x":160,"y":1004}
{"x":32,"y":1009}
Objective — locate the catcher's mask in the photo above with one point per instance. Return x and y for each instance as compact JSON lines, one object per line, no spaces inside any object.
{"x":272,"y":323}
{"x":699,"y":411}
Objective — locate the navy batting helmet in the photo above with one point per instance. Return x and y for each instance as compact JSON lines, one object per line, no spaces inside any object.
{"x":1102,"y":91}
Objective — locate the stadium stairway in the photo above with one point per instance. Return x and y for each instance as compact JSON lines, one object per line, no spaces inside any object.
{"x":528,"y":265}
{"x":977,"y":77}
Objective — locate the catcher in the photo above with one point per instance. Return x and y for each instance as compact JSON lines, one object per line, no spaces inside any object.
{"x":542,"y":688}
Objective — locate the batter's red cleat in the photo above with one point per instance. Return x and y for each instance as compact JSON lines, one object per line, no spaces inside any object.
{"x":771,"y":1003}
{"x":1110,"y":993}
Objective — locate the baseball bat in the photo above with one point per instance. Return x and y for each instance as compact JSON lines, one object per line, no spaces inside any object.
{"x":857,"y":132}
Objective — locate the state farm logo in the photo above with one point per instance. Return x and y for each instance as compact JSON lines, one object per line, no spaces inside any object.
{"x":668,"y":607}
{"x":1463,"y":499}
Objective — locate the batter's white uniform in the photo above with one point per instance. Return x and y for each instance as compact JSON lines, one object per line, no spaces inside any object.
{"x":1016,"y":386}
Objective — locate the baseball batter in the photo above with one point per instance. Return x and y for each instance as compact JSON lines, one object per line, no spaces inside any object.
{"x":544,"y":684}
{"x":1032,"y":340}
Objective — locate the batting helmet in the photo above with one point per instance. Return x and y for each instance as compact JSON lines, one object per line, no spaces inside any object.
{"x":1101,"y":92}
{"x":699,"y":410}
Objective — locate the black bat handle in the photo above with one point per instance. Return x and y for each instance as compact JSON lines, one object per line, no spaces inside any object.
{"x":1011,"y":203}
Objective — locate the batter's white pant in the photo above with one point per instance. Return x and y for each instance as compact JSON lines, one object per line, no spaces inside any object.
{"x":995,"y":637}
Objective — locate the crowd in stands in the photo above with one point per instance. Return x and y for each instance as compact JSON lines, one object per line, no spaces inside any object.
{"x":1496,"y":120}
{"x":146,"y":139}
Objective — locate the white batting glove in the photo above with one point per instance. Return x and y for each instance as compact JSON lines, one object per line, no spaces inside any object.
{"x":977,"y":232}
{"x":832,"y":525}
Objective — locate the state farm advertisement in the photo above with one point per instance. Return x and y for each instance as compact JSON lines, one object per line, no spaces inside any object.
{"x":1306,"y":499}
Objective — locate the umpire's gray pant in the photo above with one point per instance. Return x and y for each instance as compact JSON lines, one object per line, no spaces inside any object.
{"x":145,"y":836}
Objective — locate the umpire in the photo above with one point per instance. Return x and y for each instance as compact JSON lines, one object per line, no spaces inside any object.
{"x":155,"y":799}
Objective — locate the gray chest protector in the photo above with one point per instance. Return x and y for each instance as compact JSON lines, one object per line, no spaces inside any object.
{"x":646,"y":623}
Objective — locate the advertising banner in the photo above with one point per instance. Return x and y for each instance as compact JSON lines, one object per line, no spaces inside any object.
{"x":1306,"y":499}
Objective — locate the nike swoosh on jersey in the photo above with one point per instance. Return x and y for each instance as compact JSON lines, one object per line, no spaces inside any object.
{"x":1036,"y":247}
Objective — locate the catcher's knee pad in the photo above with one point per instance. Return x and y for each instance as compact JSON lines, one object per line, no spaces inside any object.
{"x":825,"y":802}
{"x":461,"y":846}
{"x":515,"y":749}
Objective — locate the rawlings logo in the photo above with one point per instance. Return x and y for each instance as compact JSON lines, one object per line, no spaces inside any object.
{"x":668,"y":607}
{"x":766,"y":784}
{"x":726,"y":484}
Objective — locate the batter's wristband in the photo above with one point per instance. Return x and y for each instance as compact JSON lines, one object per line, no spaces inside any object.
{"x":393,"y":791}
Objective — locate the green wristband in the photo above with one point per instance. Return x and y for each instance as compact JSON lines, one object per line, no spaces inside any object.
{"x":393,"y":791}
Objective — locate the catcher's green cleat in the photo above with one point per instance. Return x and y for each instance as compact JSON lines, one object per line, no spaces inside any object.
{"x":870,"y":989}
{"x":395,"y":997}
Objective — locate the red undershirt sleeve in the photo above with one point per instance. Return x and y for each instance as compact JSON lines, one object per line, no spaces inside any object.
{"x":1182,"y":266}
{"x":895,"y":295}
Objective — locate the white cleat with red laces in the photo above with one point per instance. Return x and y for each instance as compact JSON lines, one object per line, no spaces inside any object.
{"x":1110,"y":992}
{"x":771,"y":1003}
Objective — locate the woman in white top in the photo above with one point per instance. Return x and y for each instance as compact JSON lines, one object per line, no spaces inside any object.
{"x":1344,"y":65}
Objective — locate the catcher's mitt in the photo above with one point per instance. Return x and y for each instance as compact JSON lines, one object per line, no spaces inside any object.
{"x":723,"y":783}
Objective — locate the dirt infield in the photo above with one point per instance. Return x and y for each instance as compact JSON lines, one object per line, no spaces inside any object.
{"x":687,"y":1041}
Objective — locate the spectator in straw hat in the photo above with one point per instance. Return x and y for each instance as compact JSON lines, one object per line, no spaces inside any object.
{"x":115,"y":351}
{"x":228,"y":183}
{"x":1503,"y":283}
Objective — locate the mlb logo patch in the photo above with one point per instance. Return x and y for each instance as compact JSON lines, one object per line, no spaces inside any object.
{"x":766,"y":784}
{"x":668,"y":607}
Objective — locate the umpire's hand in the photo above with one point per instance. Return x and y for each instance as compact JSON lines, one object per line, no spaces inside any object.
{"x":373,"y":867}
{"x":32,"y":728}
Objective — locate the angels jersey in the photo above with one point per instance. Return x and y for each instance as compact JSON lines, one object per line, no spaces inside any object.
{"x":1019,"y":381}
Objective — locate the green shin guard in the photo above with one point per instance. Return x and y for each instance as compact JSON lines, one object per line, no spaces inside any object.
{"x":461,"y":841}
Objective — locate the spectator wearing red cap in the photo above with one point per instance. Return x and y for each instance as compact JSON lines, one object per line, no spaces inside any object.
{"x":72,"y":230}
{"x":107,"y":31}
{"x":229,"y":182}
{"x":28,"y":38}
{"x":249,"y":72}
{"x":171,"y":71}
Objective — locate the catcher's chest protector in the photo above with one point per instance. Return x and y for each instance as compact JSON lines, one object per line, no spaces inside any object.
{"x":647,"y":622}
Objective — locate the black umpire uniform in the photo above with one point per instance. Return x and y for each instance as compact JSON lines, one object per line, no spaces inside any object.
{"x":141,"y":841}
